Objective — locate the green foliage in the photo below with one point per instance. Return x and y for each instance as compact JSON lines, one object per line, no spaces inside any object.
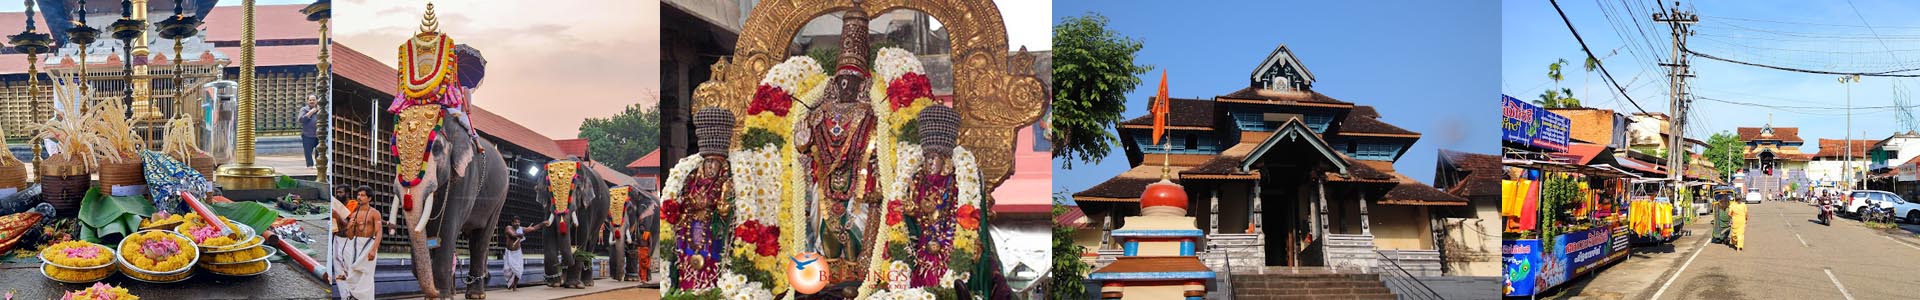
{"x":757,"y":137}
{"x":285,"y":182}
{"x":1560,"y":97}
{"x":909,"y":132}
{"x":105,"y":219}
{"x":1068,"y":270}
{"x":1093,"y":70}
{"x":1724,"y":151}
{"x":744,"y":266}
{"x":707,"y":294}
{"x":253,"y":214}
{"x":940,"y":293}
{"x":1557,"y":192}
{"x":622,"y":138}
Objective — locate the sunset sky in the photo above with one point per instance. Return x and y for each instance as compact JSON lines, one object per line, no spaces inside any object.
{"x":549,"y":66}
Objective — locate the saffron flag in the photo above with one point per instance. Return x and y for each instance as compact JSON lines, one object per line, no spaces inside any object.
{"x":1160,"y":108}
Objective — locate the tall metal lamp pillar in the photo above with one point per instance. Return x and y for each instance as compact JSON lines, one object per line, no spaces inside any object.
{"x":33,"y":44}
{"x":242,"y":174}
{"x":322,"y":11}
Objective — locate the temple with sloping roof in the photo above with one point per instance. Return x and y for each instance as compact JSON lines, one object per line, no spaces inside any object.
{"x":1280,"y":175}
{"x":287,"y":47}
{"x":1773,"y":158}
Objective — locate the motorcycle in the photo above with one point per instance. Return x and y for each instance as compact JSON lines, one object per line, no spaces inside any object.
{"x":1826,"y":213}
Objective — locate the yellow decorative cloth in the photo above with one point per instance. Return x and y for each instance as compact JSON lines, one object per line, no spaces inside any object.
{"x":617,"y":203}
{"x":413,"y":135}
{"x":560,"y":182}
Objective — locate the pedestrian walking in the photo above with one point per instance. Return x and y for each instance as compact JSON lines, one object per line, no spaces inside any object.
{"x":1721,"y":220}
{"x":1738,"y":214}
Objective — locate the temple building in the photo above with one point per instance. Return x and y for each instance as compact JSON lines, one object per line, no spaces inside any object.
{"x":1470,"y":241}
{"x":1828,"y":167}
{"x":1773,"y":158}
{"x":287,"y":48}
{"x":1280,"y":175}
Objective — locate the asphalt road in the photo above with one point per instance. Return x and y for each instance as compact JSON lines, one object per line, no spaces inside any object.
{"x":1789,"y":256}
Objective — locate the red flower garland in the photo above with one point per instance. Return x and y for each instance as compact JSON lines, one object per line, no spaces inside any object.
{"x":893,"y":212}
{"x":670,"y":211}
{"x":901,"y":92}
{"x":764,"y":238}
{"x":769,"y":98}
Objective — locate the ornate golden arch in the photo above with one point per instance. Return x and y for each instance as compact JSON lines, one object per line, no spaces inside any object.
{"x":994,"y":98}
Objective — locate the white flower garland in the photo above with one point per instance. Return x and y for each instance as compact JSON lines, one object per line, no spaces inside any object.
{"x":907,"y":294}
{"x":676,"y":180}
{"x":756,"y":184}
{"x":969,"y":185}
{"x":790,"y":73}
{"x":892,"y":62}
{"x":735,"y":287}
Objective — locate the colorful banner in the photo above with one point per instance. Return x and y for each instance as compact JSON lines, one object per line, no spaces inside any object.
{"x":1526,"y":124}
{"x":1530,"y":269}
{"x":1522,"y":260}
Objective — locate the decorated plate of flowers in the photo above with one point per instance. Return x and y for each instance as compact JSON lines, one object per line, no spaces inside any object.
{"x":244,"y":269}
{"x":158,"y":256}
{"x":100,"y":291}
{"x":161,"y":220}
{"x":76,"y":262}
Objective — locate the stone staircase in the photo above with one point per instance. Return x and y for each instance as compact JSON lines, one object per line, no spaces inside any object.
{"x":1277,"y":283}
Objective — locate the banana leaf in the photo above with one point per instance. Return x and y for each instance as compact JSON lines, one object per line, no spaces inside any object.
{"x":105,"y":218}
{"x":253,"y":214}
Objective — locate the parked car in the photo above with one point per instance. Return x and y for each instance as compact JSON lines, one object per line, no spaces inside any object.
{"x":1902,"y":209}
{"x":1754,"y":196}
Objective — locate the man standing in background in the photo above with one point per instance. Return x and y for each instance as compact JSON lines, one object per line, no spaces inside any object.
{"x":308,"y":137}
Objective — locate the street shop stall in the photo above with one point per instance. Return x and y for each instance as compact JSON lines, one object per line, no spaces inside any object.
{"x":1563,"y":221}
{"x":1652,"y":216}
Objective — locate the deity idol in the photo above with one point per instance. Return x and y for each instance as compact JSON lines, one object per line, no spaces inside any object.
{"x":932,"y":201}
{"x":836,"y":145}
{"x":699,"y":210}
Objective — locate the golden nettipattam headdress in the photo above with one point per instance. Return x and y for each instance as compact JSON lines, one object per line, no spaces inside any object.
{"x":427,"y":62}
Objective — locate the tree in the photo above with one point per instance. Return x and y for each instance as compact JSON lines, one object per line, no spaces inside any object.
{"x":1724,"y":151}
{"x":1558,"y":97}
{"x":1068,"y":271}
{"x":619,"y":139}
{"x":1093,"y":70}
{"x":1591,"y":65}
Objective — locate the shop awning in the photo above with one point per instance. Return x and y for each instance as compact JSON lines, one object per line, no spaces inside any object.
{"x":1637,"y":165}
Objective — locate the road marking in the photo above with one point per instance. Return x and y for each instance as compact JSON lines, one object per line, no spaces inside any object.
{"x":1900,"y":242}
{"x":1836,"y":283}
{"x":1803,"y":242}
{"x":1683,"y":268}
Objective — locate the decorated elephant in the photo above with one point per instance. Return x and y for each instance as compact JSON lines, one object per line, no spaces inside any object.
{"x":576,"y":200}
{"x":623,"y":231}
{"x":457,"y":192}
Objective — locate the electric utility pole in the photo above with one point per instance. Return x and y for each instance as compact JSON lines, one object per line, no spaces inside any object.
{"x":1677,"y":73}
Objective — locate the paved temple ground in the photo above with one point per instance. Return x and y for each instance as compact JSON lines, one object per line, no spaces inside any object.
{"x":1788,"y":256}
{"x":602,"y":289}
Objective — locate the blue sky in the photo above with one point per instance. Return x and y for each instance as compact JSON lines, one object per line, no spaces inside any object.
{"x":1428,"y":67}
{"x":1805,"y":34}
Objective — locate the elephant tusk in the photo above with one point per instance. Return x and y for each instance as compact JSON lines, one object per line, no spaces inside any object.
{"x":393,"y":211}
{"x":424,"y":216}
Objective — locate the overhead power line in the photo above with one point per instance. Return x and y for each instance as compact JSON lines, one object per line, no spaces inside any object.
{"x":1598,"y":65}
{"x":1887,"y":73}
